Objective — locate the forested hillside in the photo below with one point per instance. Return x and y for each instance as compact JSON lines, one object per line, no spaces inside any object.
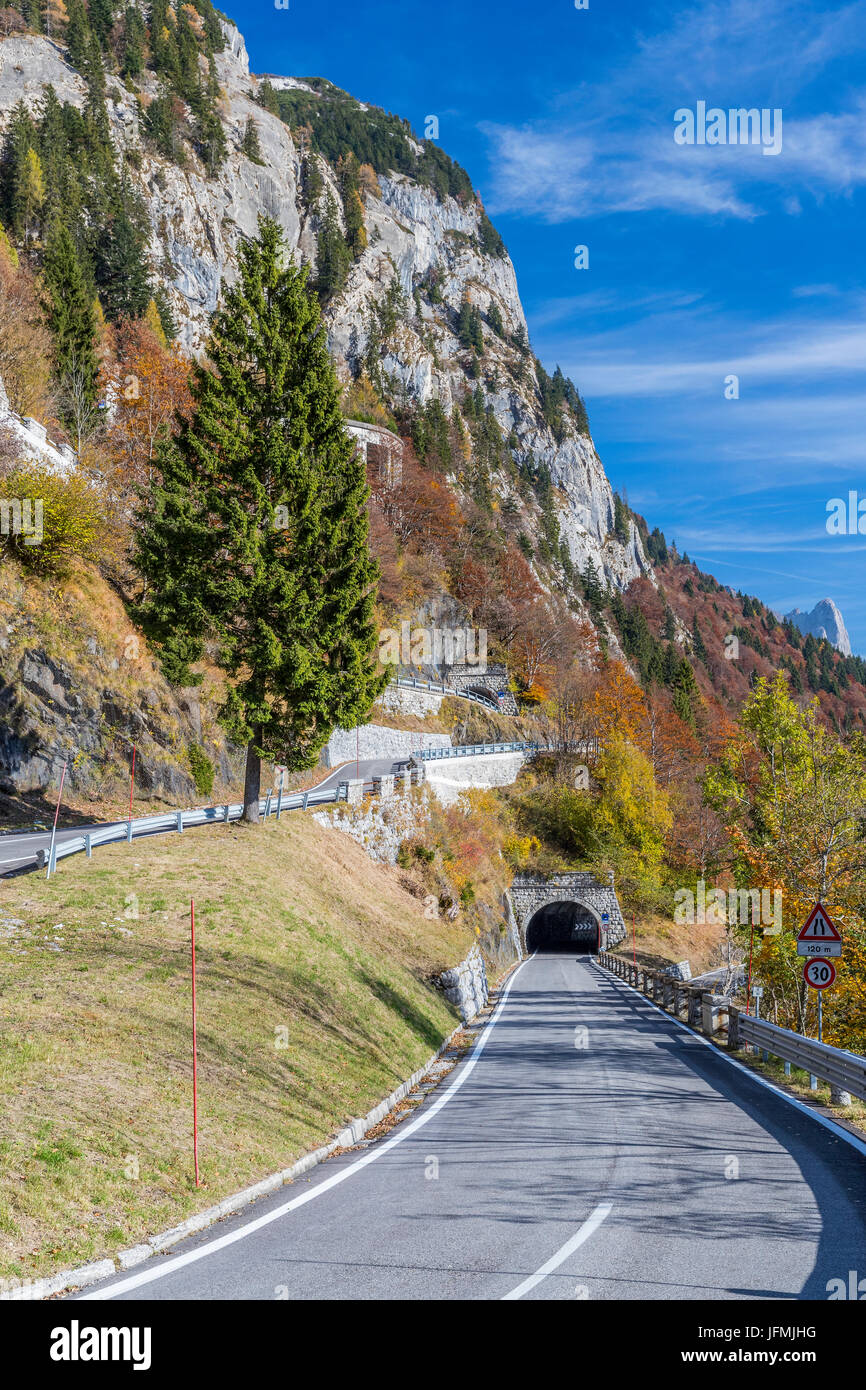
{"x":139,"y":163}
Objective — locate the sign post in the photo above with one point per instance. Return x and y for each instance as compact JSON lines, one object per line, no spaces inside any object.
{"x":819,"y":974}
{"x":819,"y":939}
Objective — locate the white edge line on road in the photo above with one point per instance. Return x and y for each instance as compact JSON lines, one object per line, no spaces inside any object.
{"x":135,"y":1281}
{"x":590,"y":1225}
{"x":839,"y":1130}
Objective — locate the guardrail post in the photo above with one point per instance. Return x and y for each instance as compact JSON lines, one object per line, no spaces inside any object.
{"x":304,"y":802}
{"x":267,"y":805}
{"x":354,"y":790}
{"x":180,"y":820}
{"x":694,"y":1015}
{"x":88,"y":847}
{"x":813,"y":1083}
{"x":713,"y":1008}
{"x":787,"y":1068}
{"x":383,"y":786}
{"x":226,"y":815}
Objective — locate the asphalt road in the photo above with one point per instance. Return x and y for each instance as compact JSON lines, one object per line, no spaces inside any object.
{"x":631,"y":1161}
{"x":21,"y":851}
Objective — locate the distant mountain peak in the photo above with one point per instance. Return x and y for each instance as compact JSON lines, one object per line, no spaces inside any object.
{"x":824,"y":620}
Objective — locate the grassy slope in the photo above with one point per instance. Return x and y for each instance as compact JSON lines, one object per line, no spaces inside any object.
{"x":296,"y":929}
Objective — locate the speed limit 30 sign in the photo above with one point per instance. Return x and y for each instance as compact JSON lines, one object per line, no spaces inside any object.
{"x":819,"y":973}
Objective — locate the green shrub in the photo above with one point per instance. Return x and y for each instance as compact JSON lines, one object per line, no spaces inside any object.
{"x":202,"y":769}
{"x":47,"y":521}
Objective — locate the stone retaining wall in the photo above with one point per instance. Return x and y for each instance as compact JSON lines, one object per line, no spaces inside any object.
{"x":466,"y":985}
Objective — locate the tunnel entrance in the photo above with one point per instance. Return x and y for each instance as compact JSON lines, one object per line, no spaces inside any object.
{"x":563,"y":926}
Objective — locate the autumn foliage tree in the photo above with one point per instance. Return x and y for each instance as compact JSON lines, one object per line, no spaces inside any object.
{"x":792,"y":796}
{"x":148,"y":385}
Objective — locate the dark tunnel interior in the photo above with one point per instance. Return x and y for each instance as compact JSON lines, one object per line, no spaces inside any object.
{"x":562,"y":926}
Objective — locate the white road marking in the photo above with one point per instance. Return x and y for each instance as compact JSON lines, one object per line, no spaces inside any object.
{"x":146,"y":1276}
{"x":838,"y":1130}
{"x":589,"y":1227}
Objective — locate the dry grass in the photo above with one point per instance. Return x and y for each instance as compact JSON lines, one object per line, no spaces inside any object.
{"x":661,"y":941}
{"x":300,"y":939}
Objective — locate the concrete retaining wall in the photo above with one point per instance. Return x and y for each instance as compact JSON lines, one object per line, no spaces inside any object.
{"x":448,"y":778}
{"x":376,"y":741}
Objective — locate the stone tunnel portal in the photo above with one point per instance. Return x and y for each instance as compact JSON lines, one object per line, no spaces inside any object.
{"x":563,"y":926}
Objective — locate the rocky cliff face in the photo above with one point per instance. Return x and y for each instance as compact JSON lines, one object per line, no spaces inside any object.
{"x":825,"y":621}
{"x":197,"y":222}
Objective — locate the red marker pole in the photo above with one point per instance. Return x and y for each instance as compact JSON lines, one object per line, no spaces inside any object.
{"x":131,"y":786}
{"x":54,"y":827}
{"x":194,"y":1051}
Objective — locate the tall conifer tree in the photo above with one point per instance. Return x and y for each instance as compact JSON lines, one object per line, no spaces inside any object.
{"x":255,"y":536}
{"x":70,"y":313}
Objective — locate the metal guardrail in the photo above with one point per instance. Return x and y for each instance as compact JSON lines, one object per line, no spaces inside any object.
{"x":474,"y":750}
{"x":708,"y":1012}
{"x":841,"y":1069}
{"x":412,"y":683}
{"x":273,"y":803}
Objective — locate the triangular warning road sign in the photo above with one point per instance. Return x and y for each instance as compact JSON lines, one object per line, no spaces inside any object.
{"x":819,"y":927}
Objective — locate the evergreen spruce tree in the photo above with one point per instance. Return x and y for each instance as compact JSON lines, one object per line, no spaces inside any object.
{"x":314,"y":184}
{"x":78,"y":33}
{"x":494,"y":318}
{"x":30,"y":11}
{"x":70,"y":315}
{"x":621,"y":527}
{"x":134,"y":34}
{"x":256,"y":533}
{"x":332,"y":255}
{"x":250,"y":144}
{"x":101,"y":14}
{"x":166,"y":313}
{"x":121,"y":271}
{"x":686,"y":696}
{"x":699,"y":645}
{"x":95,"y":112}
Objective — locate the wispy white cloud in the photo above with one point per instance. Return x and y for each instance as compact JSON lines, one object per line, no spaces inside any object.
{"x":608,"y":146}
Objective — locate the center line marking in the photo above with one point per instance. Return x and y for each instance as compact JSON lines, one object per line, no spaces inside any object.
{"x":589,"y":1227}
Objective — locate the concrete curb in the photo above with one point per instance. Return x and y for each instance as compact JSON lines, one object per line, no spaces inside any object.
{"x":352,"y":1134}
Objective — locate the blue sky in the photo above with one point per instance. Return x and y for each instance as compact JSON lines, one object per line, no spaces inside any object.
{"x":704,"y":261}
